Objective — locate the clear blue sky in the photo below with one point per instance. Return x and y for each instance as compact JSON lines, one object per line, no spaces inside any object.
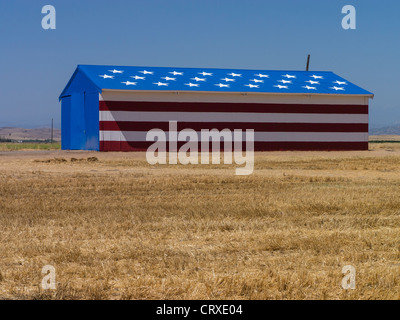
{"x":36,"y":64}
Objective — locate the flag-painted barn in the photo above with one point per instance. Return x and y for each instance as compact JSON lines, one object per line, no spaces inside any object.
{"x":111,"y":108}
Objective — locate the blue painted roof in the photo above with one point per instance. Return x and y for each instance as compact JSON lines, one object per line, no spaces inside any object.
{"x":218,"y":80}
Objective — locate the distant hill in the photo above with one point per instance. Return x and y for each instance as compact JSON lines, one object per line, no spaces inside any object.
{"x":390,"y":130}
{"x":8,"y":133}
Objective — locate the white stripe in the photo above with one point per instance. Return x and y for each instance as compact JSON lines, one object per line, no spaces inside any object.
{"x":122,"y":116}
{"x":258,"y":136}
{"x":228,"y":97}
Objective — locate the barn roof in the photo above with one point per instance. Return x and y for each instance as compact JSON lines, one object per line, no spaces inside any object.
{"x":214,"y":80}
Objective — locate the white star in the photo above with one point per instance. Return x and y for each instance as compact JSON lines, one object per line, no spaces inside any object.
{"x":146,"y":72}
{"x":138,"y":78}
{"x":285,"y":81}
{"x":310,"y":88}
{"x":198,"y":79}
{"x":161,"y":84}
{"x":340,"y":82}
{"x":257,"y":81}
{"x":116,"y":71}
{"x":228,"y":80}
{"x":176,"y":73}
{"x":289,"y":76}
{"x":316,"y":77}
{"x":262,"y":75}
{"x":337,"y":88}
{"x":234,"y":74}
{"x":128,"y":83}
{"x":205,"y":74}
{"x":191,"y":84}
{"x":252,"y":86}
{"x":169,"y":79}
{"x":107,"y":77}
{"x":281,"y":87}
{"x":312,"y":82}
{"x":222,"y":85}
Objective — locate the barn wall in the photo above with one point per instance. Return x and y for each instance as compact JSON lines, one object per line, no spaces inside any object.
{"x":77,"y":121}
{"x":91,"y":122}
{"x":81,"y":122}
{"x":281,"y":122}
{"x":66,"y":123}
{"x":80,"y":114}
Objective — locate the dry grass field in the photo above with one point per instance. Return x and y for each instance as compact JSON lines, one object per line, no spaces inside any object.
{"x":29,"y":146}
{"x":115,"y":227}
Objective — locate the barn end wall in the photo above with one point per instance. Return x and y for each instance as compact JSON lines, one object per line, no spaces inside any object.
{"x":66,"y":123}
{"x":80,"y":114}
{"x":280,"y":122}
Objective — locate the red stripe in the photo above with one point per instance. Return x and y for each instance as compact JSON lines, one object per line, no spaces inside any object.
{"x":231,"y":107}
{"x":261,"y":127}
{"x":258,"y":146}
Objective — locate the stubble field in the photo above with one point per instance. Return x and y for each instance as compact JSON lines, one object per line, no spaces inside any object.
{"x":115,"y":227}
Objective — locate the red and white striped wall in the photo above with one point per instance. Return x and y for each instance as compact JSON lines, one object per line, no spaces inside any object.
{"x":280,"y":122}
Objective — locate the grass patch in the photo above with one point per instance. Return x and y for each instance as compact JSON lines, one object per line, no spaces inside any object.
{"x":384,"y":141}
{"x":29,"y":146}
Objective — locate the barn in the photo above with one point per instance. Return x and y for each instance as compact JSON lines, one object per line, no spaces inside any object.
{"x":111,"y":108}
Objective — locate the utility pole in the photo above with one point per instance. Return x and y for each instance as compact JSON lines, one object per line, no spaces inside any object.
{"x":51,"y":140}
{"x":308,"y":63}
